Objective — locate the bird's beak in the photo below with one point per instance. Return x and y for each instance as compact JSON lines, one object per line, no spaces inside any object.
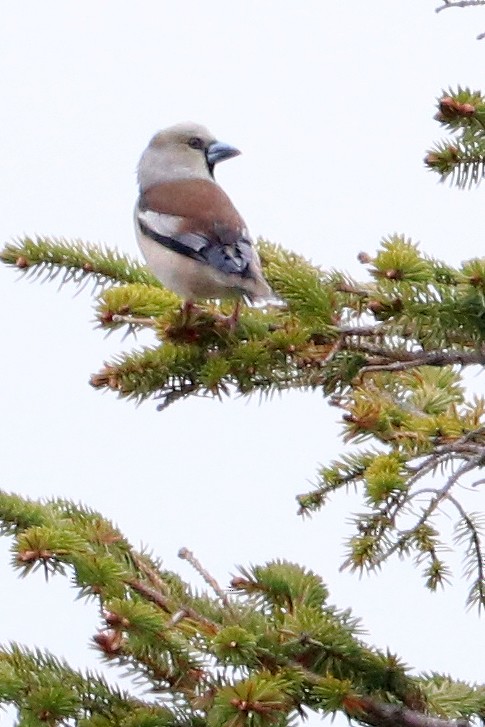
{"x":217,"y":151}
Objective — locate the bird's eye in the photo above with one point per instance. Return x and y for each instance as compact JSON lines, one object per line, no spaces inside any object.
{"x":196,"y":142}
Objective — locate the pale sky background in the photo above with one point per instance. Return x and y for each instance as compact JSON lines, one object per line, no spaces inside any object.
{"x":332,"y":105}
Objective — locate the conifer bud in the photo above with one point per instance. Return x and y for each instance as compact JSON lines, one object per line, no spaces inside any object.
{"x":376,"y":306}
{"x":238,"y":582}
{"x":476,"y":279}
{"x":393,"y":274}
{"x":114,"y":619}
{"x":432,"y":159}
{"x":108,"y":641}
{"x":450,"y":108}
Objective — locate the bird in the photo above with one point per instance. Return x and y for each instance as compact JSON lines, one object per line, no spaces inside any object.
{"x":191,"y":235}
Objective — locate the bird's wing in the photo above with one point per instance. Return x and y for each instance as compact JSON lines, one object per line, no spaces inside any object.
{"x":196,"y":218}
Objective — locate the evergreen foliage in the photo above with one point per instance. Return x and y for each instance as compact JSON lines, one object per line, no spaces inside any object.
{"x":390,"y":354}
{"x":261,"y":653}
{"x":462,"y":159}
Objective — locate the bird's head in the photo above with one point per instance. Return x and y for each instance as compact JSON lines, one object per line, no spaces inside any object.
{"x":183,"y":151}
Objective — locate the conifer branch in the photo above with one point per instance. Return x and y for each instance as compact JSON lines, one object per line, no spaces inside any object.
{"x":150,"y":570}
{"x":407,"y":360}
{"x":46,"y":258}
{"x":470,"y":529}
{"x":379,"y":714}
{"x":438,"y":497}
{"x":165,"y":604}
{"x":390,"y":481}
{"x":295,"y":651}
{"x":47,"y":689}
{"x":386,"y":352}
{"x":133,"y":322}
{"x":186,"y":554}
{"x":463,"y":157}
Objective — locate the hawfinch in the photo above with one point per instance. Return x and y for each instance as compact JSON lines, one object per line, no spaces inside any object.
{"x":191,"y":235}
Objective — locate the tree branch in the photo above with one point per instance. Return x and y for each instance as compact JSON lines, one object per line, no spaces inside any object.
{"x":441,"y":495}
{"x":186,"y":554}
{"x":476,"y":551}
{"x":133,"y":321}
{"x":391,"y":715}
{"x":165,"y":604}
{"x":459,"y":4}
{"x":408,"y":360}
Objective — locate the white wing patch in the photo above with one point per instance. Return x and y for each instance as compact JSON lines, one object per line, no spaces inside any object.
{"x":167,"y":225}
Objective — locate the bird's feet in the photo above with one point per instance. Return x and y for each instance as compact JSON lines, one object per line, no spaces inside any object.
{"x":197,"y":324}
{"x":188,"y":312}
{"x":230,"y":322}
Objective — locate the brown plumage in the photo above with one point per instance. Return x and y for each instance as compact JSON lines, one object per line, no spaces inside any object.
{"x":199,"y":200}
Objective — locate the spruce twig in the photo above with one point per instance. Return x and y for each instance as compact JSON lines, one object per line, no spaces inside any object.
{"x":186,"y":554}
{"x":46,"y":257}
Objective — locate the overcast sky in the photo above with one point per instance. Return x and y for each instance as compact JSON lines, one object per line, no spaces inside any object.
{"x":332,"y":105}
